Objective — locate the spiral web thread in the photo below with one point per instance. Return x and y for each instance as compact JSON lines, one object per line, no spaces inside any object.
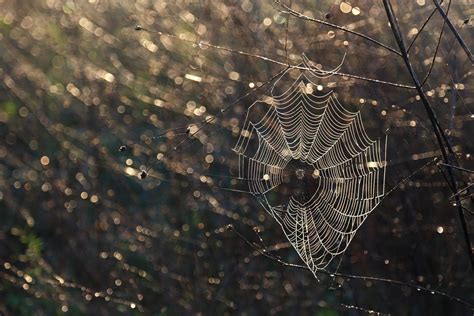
{"x":318,"y":131}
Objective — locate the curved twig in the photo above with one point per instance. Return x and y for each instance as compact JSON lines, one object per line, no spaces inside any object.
{"x":436,"y":50}
{"x":421,"y":29}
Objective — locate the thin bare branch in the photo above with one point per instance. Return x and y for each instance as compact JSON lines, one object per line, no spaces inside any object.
{"x":342,"y":28}
{"x":453,"y":29}
{"x":441,"y":138}
{"x":274,"y":61}
{"x":264,"y":252}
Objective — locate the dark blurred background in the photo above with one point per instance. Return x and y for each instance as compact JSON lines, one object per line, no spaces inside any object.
{"x":82,"y":233}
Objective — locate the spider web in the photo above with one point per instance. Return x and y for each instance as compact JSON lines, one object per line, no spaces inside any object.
{"x":310,"y":163}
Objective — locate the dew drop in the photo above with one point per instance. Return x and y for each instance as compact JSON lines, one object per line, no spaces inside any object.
{"x":316,"y":173}
{"x":345,"y":7}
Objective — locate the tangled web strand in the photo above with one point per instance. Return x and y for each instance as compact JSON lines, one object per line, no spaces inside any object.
{"x":312,"y":166}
